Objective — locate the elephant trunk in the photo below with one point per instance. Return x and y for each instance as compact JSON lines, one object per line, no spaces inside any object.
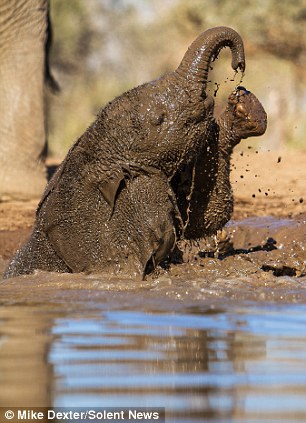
{"x":205,"y":49}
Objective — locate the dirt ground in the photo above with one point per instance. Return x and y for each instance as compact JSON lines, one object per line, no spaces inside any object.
{"x":266,"y":184}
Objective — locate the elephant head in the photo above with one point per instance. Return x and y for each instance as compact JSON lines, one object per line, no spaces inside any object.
{"x":175,"y":111}
{"x":99,"y":210}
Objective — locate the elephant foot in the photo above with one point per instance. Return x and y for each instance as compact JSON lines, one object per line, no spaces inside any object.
{"x":216,"y":245}
{"x":18,"y":183}
{"x":189,"y":250}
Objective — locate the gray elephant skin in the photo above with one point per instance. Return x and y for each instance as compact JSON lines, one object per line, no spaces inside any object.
{"x":112,"y":204}
{"x":24,"y":46}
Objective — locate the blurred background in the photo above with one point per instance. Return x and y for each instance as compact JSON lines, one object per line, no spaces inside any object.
{"x":102,"y":48}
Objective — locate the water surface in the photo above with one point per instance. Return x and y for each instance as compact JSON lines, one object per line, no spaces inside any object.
{"x":212,"y":360}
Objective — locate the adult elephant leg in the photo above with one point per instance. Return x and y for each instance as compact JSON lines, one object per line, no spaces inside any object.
{"x":23,"y":32}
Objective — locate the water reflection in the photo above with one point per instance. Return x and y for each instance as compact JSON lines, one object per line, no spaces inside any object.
{"x":25,"y":372}
{"x":232,"y":363}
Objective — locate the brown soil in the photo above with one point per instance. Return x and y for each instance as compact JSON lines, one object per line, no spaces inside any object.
{"x":264,"y":183}
{"x":269,"y":183}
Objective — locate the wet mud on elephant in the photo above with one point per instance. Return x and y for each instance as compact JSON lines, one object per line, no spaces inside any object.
{"x":111,"y":205}
{"x":203,"y":189}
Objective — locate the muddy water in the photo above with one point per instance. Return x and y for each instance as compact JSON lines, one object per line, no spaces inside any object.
{"x":215,"y":339}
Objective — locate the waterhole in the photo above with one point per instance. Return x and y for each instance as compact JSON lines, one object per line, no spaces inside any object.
{"x":220,"y":340}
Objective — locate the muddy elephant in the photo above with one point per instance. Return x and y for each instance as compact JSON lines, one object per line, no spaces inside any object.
{"x":24,"y":42}
{"x":202,"y":188}
{"x":99,"y":210}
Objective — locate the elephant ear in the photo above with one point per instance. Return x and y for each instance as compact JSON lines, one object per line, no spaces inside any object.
{"x":110,"y":187}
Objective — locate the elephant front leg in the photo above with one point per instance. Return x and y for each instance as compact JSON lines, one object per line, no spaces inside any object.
{"x":144,"y":213}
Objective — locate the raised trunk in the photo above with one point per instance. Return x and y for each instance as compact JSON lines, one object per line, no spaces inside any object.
{"x":197,"y":61}
{"x":23,"y":27}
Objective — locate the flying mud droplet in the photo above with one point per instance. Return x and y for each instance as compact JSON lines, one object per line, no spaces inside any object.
{"x":279,"y":159}
{"x":233,"y":78}
{"x":301,"y":200}
{"x":216,"y":89}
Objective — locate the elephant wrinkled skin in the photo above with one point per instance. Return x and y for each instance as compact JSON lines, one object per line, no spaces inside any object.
{"x":203,"y":187}
{"x":110,"y":205}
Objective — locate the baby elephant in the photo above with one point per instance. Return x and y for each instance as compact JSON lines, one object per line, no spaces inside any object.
{"x":110,"y":205}
{"x":77,"y":230}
